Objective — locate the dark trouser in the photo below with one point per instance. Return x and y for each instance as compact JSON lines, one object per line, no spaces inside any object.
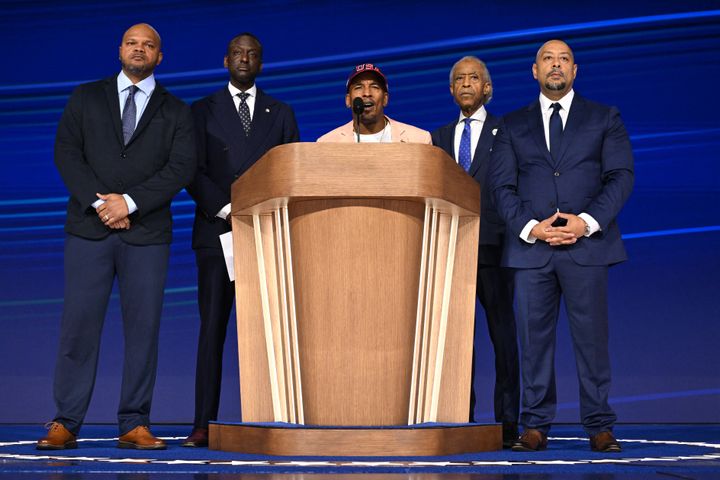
{"x":495,"y":293}
{"x":538,"y":292}
{"x":90,"y":270}
{"x":215,"y":300}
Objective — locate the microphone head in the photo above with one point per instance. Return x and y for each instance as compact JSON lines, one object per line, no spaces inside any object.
{"x":358,"y":106}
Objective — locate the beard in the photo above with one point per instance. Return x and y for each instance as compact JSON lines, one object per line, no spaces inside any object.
{"x":557,"y":86}
{"x":135,"y":69}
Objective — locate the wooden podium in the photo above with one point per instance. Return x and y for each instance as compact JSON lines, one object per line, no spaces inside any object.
{"x":355,"y":271}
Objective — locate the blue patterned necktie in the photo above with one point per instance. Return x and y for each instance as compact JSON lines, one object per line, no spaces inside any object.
{"x":244,"y":112}
{"x":465,"y":157}
{"x":129,"y":114}
{"x":556,"y":129}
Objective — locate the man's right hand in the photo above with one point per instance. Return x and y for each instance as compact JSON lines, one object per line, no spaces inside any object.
{"x":123,"y":224}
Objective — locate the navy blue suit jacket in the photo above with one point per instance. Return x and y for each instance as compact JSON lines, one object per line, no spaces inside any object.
{"x":492,"y":228}
{"x":593,"y":173}
{"x":225,"y":153}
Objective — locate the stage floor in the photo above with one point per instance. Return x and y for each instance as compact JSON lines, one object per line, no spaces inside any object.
{"x":649,"y":452}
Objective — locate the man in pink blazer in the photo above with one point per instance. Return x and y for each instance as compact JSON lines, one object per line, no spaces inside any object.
{"x":367,"y":94}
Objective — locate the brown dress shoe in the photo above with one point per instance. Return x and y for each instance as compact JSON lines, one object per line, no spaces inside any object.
{"x":604,"y":442}
{"x":531,"y":440}
{"x":140,"y":438}
{"x":198,"y":438}
{"x":58,"y":438}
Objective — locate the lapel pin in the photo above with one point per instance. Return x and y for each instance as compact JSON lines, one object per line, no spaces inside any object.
{"x":267,"y":110}
{"x":494,"y":132}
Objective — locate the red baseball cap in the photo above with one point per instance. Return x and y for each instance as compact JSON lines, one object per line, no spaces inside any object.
{"x":366,"y":67}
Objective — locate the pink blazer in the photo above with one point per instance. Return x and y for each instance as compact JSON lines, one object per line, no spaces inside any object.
{"x":401,"y":132}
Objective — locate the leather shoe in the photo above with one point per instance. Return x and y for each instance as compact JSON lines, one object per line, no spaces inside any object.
{"x":58,"y":438}
{"x":604,"y":442}
{"x":198,"y":438}
{"x":531,"y":440}
{"x":509,"y":434}
{"x":140,"y":438}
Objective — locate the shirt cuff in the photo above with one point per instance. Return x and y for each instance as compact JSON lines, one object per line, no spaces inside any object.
{"x":224,"y":212}
{"x":593,"y":225}
{"x":525,"y":234}
{"x":132,"y":208}
{"x":97,"y":203}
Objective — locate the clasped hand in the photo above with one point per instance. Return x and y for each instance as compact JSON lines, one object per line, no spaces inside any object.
{"x":114,"y":211}
{"x":557,"y":236}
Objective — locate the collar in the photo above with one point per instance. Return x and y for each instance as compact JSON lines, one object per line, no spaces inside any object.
{"x":252,"y":91}
{"x":479,"y":115}
{"x":147,"y":85}
{"x":564,"y":102}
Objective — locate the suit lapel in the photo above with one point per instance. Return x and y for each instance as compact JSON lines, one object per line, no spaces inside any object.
{"x":156,"y":99}
{"x":576,"y":118}
{"x":111,"y":94}
{"x":485,"y":143}
{"x":264,"y":116}
{"x":222,"y":108}
{"x":537,"y":130}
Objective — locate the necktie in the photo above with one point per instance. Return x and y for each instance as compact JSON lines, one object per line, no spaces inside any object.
{"x":244,"y":112}
{"x":464,"y":151}
{"x":556,"y":129}
{"x":129,"y":114}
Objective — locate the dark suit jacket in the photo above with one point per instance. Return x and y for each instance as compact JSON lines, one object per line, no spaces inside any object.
{"x":593,"y":173}
{"x":492,"y":228}
{"x":156,"y":164}
{"x":225,"y":153}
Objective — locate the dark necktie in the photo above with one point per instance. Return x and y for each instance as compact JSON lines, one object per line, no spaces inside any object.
{"x":556,"y":129}
{"x":129,"y":114}
{"x":465,"y":157}
{"x":244,"y":112}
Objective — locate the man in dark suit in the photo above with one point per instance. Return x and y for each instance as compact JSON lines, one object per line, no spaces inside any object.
{"x":124,"y":148}
{"x":234,"y":127}
{"x":561,"y":170}
{"x":469,"y":141}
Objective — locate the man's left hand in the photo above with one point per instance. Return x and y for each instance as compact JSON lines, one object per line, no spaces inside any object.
{"x":113,"y":210}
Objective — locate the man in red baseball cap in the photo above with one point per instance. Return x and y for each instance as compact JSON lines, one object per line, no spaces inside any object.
{"x":367,"y":96}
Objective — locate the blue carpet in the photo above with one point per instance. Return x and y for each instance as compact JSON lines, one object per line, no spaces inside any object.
{"x":649,"y":451}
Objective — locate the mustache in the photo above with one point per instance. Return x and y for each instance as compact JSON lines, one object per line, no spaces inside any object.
{"x":555,"y":70}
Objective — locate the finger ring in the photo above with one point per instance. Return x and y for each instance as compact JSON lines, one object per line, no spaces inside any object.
{"x":105,"y":218}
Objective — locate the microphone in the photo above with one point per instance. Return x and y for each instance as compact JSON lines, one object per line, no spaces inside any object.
{"x":358,"y":107}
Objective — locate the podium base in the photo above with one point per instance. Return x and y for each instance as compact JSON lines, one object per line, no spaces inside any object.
{"x":355,"y":442}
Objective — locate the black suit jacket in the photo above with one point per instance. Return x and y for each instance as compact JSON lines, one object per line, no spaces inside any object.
{"x":492,"y":228}
{"x":225,"y":153}
{"x":156,"y":164}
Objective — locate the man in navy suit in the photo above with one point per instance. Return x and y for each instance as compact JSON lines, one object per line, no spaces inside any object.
{"x":561,"y":171}
{"x":124,"y":148}
{"x":234,"y":127}
{"x":469,"y":139}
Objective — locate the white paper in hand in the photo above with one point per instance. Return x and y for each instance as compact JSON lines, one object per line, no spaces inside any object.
{"x":227,"y":245}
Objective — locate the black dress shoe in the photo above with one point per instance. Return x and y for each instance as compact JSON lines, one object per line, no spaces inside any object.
{"x":531,"y":440}
{"x":198,"y":438}
{"x":509,"y":434}
{"x":604,"y":442}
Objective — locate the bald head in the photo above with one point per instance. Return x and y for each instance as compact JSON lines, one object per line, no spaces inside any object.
{"x":140,"y":51}
{"x":146,"y":28}
{"x":555,"y":69}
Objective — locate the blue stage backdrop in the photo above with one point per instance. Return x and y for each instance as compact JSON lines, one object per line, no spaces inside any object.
{"x":658,"y":61}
